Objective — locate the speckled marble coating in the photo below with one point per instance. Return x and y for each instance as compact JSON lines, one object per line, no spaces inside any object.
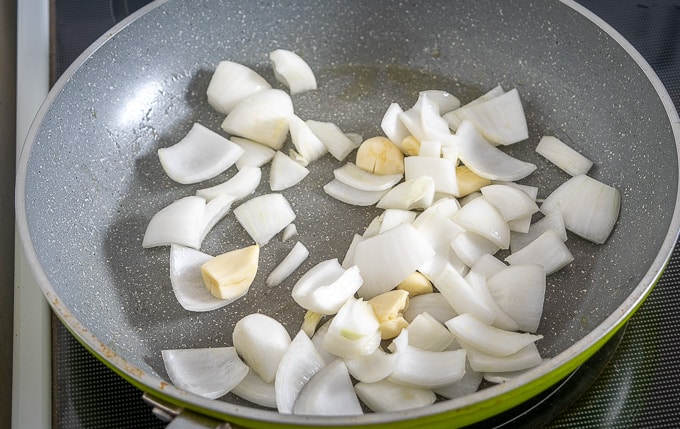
{"x":93,"y":179}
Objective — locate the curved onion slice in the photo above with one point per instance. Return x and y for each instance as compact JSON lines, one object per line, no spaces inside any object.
{"x":589,"y":207}
{"x":416,"y":193}
{"x":482,"y":218}
{"x":261,"y":341}
{"x":298,"y":364}
{"x":388,"y":258}
{"x":458,"y":293}
{"x":548,"y":251}
{"x":305,"y":141}
{"x":452,"y":117}
{"x":291,"y":70}
{"x":338,"y":143}
{"x":470,"y":247}
{"x":239,"y":186}
{"x":563,"y":156}
{"x":427,"y":333}
{"x":329,"y":393}
{"x":519,"y":290}
{"x":488,"y":339}
{"x":384,"y":396}
{"x":488,"y":265}
{"x":423,"y":368}
{"x":433,"y":303}
{"x":254,"y":389}
{"x":512,"y":203}
{"x":500,"y":119}
{"x":265,"y":216}
{"x":391,"y":125}
{"x":552,"y":221}
{"x":373,"y":367}
{"x":285,"y":172}
{"x":487,"y":161}
{"x":289,"y":232}
{"x":350,"y":195}
{"x":318,"y":339}
{"x":326,"y":287}
{"x":230,"y":83}
{"x":354,"y":331}
{"x":181,"y":222}
{"x":465,"y":386}
{"x":297,"y":255}
{"x":215,"y":210}
{"x":442,"y":171}
{"x":254,"y":154}
{"x":423,"y":119}
{"x":358,"y":178}
{"x":444,"y":101}
{"x":262,"y":117}
{"x":526,"y":357}
{"x":202,"y":154}
{"x":391,"y":218}
{"x":187,"y":282}
{"x":207,"y":372}
{"x":501,"y":319}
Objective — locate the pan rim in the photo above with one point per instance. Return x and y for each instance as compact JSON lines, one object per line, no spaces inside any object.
{"x":227,"y":410}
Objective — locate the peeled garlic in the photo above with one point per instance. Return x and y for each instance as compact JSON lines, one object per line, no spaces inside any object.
{"x":379,"y":155}
{"x":230,"y":274}
{"x":416,"y":284}
{"x":388,"y":308}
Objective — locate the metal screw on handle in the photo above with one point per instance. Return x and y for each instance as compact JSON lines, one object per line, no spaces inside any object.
{"x":179,"y":418}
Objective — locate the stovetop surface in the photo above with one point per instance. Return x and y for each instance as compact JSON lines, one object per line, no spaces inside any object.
{"x":633,"y":382}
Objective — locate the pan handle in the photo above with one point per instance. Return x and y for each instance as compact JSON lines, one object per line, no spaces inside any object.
{"x":179,"y":418}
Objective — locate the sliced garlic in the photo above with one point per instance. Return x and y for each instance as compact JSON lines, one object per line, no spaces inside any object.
{"x":230,"y":274}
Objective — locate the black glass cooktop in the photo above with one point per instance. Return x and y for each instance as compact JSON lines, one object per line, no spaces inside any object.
{"x":634,"y":381}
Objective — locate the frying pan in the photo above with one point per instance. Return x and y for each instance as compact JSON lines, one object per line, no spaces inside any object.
{"x":89,"y":178}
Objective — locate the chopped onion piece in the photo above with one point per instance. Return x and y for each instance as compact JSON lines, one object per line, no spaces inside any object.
{"x":305,"y":141}
{"x":254,"y":389}
{"x":262,"y":117}
{"x":350,"y":195}
{"x":261,"y":341}
{"x":526,"y":357}
{"x":348,"y":261}
{"x":465,"y":386}
{"x":433,"y":303}
{"x":288,"y":232}
{"x":265,"y":216}
{"x":318,"y":338}
{"x":373,"y":367}
{"x":452,"y":117}
{"x":548,"y":251}
{"x":326,"y":287}
{"x":458,"y":293}
{"x":444,"y":101}
{"x":358,"y":178}
{"x":519,"y":290}
{"x":297,"y":255}
{"x":298,"y":364}
{"x":441,"y":170}
{"x":388,"y":258}
{"x":239,"y":186}
{"x":482,"y":218}
{"x":423,"y":119}
{"x":488,"y":265}
{"x":187,"y":282}
{"x":500,"y":119}
{"x":487,"y":161}
{"x":552,"y":221}
{"x":521,"y":224}
{"x":207,"y":372}
{"x":470,"y":247}
{"x":392,"y":126}
{"x":501,"y":319}
{"x":232,"y":82}
{"x":511,"y":203}
{"x":392,"y":218}
{"x":181,"y":222}
{"x":215,"y":210}
{"x":285,"y":173}
{"x":589,"y":207}
{"x":354,"y":331}
{"x":488,"y":339}
{"x":338,"y":143}
{"x":254,"y":154}
{"x":563,"y":156}
{"x":374,"y":226}
{"x":531,"y":191}
{"x":291,"y":70}
{"x":329,"y":393}
{"x":384,"y":396}
{"x":200,"y":155}
{"x":431,"y":148}
{"x":427,"y":333}
{"x":423,"y":368}
{"x":413,"y":194}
